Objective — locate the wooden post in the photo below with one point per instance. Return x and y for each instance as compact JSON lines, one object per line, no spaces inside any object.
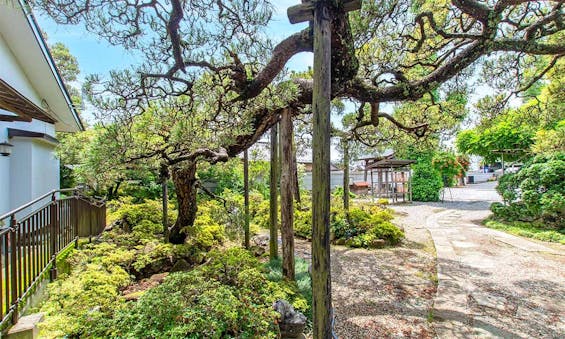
{"x":346,"y":177}
{"x":246,"y":197}
{"x":164,"y":174}
{"x":321,"y":276}
{"x":54,"y":237}
{"x":14,"y":272}
{"x":273,"y":234}
{"x":321,"y":269}
{"x":287,"y":203}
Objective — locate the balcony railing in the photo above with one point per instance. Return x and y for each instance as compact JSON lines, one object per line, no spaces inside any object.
{"x":29,"y":244}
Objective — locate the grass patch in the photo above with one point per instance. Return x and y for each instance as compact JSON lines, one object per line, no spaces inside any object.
{"x":533,"y":230}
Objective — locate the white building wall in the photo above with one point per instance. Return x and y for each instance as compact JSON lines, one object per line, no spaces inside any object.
{"x":31,"y":170}
{"x":4,"y":175}
{"x":20,"y":172}
{"x":12,"y":73}
{"x":45,"y":169}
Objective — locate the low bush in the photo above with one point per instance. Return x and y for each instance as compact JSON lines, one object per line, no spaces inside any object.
{"x":367,"y":226}
{"x":82,"y":303}
{"x":230,"y":296}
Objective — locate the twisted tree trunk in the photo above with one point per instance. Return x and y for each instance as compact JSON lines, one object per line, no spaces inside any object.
{"x":184,"y":178}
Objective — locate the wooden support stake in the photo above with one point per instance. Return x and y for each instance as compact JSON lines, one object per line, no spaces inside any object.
{"x":246,"y":197}
{"x":273,"y":234}
{"x":346,"y":177}
{"x":287,"y":203}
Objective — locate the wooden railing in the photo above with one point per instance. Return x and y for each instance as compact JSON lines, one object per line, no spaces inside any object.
{"x":29,"y":244}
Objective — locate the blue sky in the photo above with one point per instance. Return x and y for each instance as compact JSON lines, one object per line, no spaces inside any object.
{"x":96,"y":56}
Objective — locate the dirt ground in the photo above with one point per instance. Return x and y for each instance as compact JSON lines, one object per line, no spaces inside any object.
{"x":384,"y":293}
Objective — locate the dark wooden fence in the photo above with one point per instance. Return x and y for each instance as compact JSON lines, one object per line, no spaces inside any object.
{"x":29,"y":244}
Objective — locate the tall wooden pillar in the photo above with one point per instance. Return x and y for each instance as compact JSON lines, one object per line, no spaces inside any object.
{"x":246,"y":198}
{"x":287,"y":202}
{"x":273,"y":226}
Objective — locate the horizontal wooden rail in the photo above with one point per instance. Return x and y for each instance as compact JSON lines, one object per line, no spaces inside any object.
{"x":29,"y":245}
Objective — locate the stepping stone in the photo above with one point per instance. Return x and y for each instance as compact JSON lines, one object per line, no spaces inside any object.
{"x":490,"y":301}
{"x":26,"y":327}
{"x":463,"y":244}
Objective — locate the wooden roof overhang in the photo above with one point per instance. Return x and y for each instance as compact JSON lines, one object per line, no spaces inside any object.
{"x":390,"y":163}
{"x":13,"y":132}
{"x":15,"y":102}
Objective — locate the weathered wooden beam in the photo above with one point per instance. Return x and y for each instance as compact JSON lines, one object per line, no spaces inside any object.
{"x":10,"y":118}
{"x":305,"y":12}
{"x":287,"y":203}
{"x":346,"y":177}
{"x":321,"y":269}
{"x":273,"y":192}
{"x":246,"y":197}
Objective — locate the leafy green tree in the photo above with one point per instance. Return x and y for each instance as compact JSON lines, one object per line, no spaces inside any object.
{"x":506,"y":134}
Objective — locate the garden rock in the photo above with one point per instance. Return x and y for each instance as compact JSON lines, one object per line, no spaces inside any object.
{"x":292,"y":322}
{"x":261,"y":240}
{"x":180,"y":265}
{"x":377,"y":243}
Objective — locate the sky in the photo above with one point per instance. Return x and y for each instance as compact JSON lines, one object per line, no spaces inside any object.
{"x":96,"y":56}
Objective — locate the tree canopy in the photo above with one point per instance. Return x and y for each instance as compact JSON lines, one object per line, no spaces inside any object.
{"x":390,"y":51}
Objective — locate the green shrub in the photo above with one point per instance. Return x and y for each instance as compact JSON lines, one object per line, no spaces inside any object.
{"x":302,"y":301}
{"x":535,"y":192}
{"x":426,"y":183}
{"x":447,"y":164}
{"x":364,"y":227}
{"x":229,"y":296}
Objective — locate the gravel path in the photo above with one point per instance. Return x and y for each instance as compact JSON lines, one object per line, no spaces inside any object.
{"x":385,"y":293}
{"x":488,"y":284}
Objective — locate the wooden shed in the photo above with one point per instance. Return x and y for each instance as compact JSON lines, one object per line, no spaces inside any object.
{"x":390,"y":178}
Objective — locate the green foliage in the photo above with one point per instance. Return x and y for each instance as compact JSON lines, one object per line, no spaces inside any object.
{"x":82,"y":303}
{"x":426,"y":182}
{"x":133,"y":213}
{"x":227,"y":175}
{"x":447,"y":164}
{"x":338,"y":192}
{"x":549,"y":141}
{"x":508,"y":132}
{"x":536,"y":192}
{"x":364,"y":227}
{"x":302,"y":301}
{"x":229,"y":296}
{"x":535,"y":230}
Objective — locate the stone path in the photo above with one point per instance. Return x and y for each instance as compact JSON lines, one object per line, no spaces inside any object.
{"x":492,"y":284}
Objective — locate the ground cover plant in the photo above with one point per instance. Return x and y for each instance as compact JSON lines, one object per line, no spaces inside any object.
{"x":534,"y":230}
{"x":211,"y":289}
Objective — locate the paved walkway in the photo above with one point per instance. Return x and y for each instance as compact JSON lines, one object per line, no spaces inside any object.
{"x":490,"y":283}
